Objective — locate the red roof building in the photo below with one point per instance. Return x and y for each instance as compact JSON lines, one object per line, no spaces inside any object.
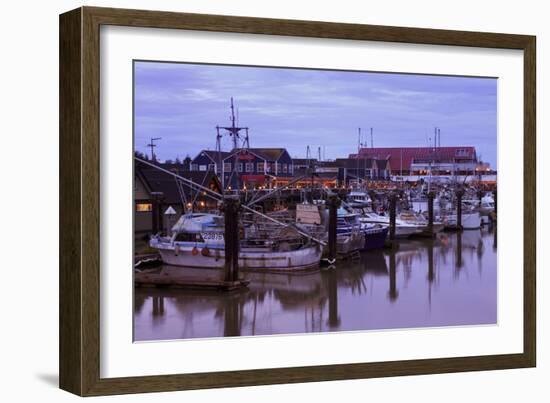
{"x":404,"y":160}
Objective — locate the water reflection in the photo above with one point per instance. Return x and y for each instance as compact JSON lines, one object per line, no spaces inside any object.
{"x":447,"y":281}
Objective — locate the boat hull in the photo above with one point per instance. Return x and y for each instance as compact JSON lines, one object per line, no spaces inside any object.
{"x":299,"y":259}
{"x":469,"y":220}
{"x":375,"y":238}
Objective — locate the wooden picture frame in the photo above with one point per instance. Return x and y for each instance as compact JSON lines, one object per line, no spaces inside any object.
{"x":79,"y":200}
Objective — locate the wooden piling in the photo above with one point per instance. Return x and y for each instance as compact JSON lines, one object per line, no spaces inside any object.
{"x":431,"y":196}
{"x":333,"y":202}
{"x":459,"y":194}
{"x":231,"y":207}
{"x":156,"y":213}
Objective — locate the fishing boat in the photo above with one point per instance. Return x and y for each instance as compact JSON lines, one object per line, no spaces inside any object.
{"x":198,"y":241}
{"x":470,"y":220}
{"x":349,"y":223}
{"x":403,"y":229}
{"x":359,"y":199}
{"x":375,"y":236}
{"x":487,"y":205}
{"x":487,"y":209}
{"x":420,"y":220}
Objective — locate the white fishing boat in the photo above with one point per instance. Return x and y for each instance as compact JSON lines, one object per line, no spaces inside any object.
{"x":359,"y":199}
{"x":198,"y":241}
{"x":421,"y":221}
{"x":487,"y":205}
{"x":470,"y":220}
{"x":403,"y":229}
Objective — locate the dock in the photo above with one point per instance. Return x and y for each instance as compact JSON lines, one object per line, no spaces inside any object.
{"x":174,"y":277}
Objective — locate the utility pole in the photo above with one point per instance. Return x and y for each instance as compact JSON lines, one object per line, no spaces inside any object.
{"x":152,"y":145}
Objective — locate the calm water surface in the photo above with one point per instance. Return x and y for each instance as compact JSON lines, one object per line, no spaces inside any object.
{"x":446,"y":282}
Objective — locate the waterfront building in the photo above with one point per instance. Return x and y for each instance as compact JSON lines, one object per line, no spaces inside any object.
{"x":208,"y":160}
{"x":421,"y":161}
{"x":155,"y":191}
{"x":257,"y":167}
{"x":356,"y":170}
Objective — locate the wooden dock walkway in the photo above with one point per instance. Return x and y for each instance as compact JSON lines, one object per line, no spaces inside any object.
{"x":174,"y":277}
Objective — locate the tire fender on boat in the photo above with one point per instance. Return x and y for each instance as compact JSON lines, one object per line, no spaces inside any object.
{"x":195,"y":251}
{"x":205,"y":251}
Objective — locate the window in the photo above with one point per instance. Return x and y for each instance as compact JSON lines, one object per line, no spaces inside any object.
{"x":194,"y":167}
{"x":277,"y":166}
{"x":249,"y":167}
{"x":202,"y":168}
{"x":212,"y":167}
{"x":144,"y":207}
{"x":285,"y":168}
{"x":260,"y":167}
{"x":227,"y":166}
{"x":290,"y":168}
{"x":268,"y":167}
{"x":240,"y":167}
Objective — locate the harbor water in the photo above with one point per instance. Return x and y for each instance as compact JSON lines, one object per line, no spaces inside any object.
{"x":449,"y":281}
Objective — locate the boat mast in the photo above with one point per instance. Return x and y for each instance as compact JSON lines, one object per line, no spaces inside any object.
{"x":234,"y":131}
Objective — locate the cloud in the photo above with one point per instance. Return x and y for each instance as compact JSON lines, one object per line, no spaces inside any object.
{"x":183,"y":103}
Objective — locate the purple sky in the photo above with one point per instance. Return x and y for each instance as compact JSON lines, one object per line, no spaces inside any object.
{"x":293,"y":108}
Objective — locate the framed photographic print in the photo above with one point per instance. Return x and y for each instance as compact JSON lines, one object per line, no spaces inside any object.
{"x":250,"y":201}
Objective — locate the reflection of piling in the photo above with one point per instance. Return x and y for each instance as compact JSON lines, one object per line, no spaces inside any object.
{"x":459,"y":250}
{"x":459,"y":194}
{"x":232,"y":318}
{"x":495,"y":199}
{"x":393,"y":294}
{"x":393,"y":207}
{"x":333,"y":203}
{"x":495,"y":232}
{"x":158,"y":306}
{"x":333,"y":319}
{"x":231,"y":208}
{"x":431,"y":274}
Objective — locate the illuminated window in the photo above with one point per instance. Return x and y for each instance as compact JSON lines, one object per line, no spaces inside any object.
{"x":144,"y":207}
